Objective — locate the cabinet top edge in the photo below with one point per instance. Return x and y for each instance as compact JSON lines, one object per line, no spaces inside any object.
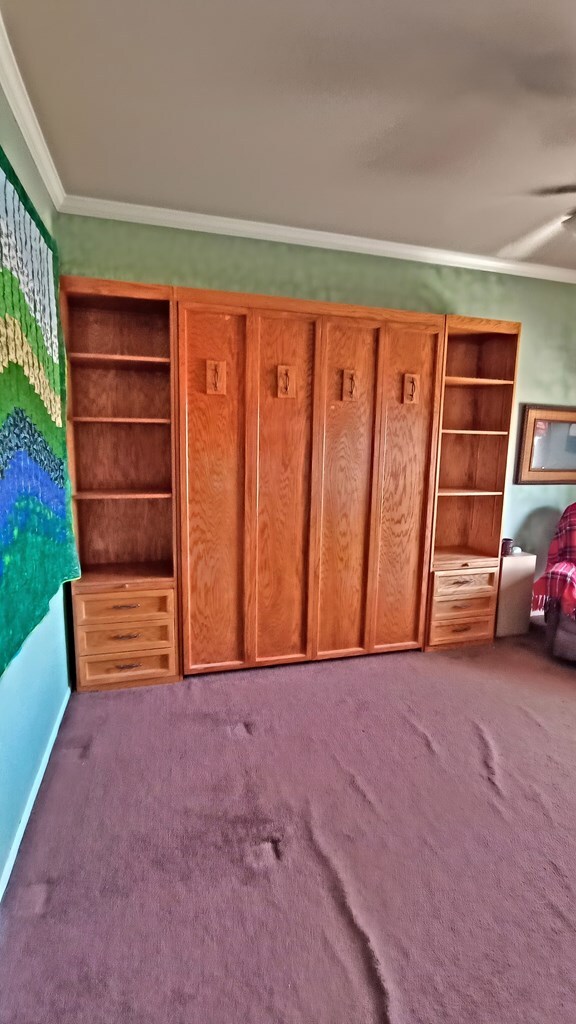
{"x":473,"y":324}
{"x":96,"y":286}
{"x":245,"y":301}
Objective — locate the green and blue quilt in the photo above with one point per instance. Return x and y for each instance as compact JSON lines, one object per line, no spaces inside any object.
{"x":37,"y":549}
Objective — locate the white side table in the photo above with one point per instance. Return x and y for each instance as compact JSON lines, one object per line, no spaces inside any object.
{"x":515,"y":597}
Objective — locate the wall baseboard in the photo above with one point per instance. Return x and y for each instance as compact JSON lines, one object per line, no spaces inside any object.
{"x":7,"y":868}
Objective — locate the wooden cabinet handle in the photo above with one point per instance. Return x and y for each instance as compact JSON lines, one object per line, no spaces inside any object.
{"x":123,"y":607}
{"x":129,"y":665}
{"x":465,"y":582}
{"x":352,"y":384}
{"x":126,"y":636}
{"x":286,"y":381}
{"x":460,"y":629}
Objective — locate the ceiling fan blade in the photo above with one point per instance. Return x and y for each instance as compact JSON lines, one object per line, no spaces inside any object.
{"x":555,"y":190}
{"x":530,"y":243}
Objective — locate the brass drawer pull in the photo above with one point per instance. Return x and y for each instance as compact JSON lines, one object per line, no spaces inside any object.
{"x":461,"y":629}
{"x":126,"y":636}
{"x":122,"y":607}
{"x":462,"y":582}
{"x":129,"y":665}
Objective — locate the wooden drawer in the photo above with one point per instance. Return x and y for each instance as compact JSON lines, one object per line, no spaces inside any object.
{"x":465,"y":583}
{"x":120,"y":606}
{"x":467,"y":607}
{"x":98,"y":670}
{"x":130,"y":636}
{"x":463,"y":631}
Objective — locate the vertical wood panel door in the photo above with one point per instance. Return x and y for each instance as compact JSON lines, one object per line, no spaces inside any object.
{"x":212,"y":390}
{"x":348,"y":409}
{"x":286,"y":345}
{"x":405,"y":483}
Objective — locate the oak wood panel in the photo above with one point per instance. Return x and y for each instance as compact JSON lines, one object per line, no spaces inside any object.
{"x":284,"y":463}
{"x":75,"y":285}
{"x":128,"y":668}
{"x":461,"y":631}
{"x":130,"y":636}
{"x":124,"y":574}
{"x":128,"y":605}
{"x":346,"y":490}
{"x":473,"y":462}
{"x":141,"y":392}
{"x":404,"y":509}
{"x":476,"y":325}
{"x":123,"y":456}
{"x":122,"y":530}
{"x":118,"y":325}
{"x":469,"y":525}
{"x":466,"y":582}
{"x":201,"y":297}
{"x":465,"y":607}
{"x":213,"y":512}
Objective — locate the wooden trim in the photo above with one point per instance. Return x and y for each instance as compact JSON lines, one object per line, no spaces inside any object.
{"x":317,"y":484}
{"x":175,"y":477}
{"x":182,"y":421}
{"x":477,"y":325}
{"x":312,"y":307}
{"x":433,"y":477}
{"x":377,"y":479}
{"x":251,"y":486}
{"x":90,"y":286}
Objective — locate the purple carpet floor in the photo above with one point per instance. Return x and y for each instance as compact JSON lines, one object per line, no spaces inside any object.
{"x":389,"y":840}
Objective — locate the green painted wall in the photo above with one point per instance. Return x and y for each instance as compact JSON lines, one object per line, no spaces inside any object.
{"x":547,"y":310}
{"x":34,"y":688}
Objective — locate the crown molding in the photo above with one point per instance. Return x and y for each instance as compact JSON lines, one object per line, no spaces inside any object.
{"x":19,"y":101}
{"x":507,"y":262}
{"x":156,"y":216}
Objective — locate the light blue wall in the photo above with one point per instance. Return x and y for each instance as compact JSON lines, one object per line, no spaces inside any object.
{"x":34,"y":692}
{"x":34,"y":688}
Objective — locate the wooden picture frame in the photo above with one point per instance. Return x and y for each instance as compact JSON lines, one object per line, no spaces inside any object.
{"x":542,"y":447}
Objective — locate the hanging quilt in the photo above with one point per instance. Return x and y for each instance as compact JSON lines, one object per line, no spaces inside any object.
{"x":37,"y":549}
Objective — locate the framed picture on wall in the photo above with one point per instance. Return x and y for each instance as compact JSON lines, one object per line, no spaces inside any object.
{"x":548,"y":445}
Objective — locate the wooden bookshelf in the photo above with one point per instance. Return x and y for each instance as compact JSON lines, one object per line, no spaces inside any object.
{"x":477,"y":401}
{"x":122,"y":427}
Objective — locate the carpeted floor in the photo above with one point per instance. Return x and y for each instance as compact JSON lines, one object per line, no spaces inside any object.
{"x":389,"y":839}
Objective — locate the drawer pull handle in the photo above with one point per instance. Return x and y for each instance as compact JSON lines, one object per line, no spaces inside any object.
{"x":126,"y":636}
{"x":465,"y":565}
{"x":461,"y":629}
{"x":129,"y":665}
{"x":123,"y":607}
{"x":462,"y":583}
{"x":457,"y":607}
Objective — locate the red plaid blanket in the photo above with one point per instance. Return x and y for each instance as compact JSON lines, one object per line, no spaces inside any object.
{"x":558,"y":583}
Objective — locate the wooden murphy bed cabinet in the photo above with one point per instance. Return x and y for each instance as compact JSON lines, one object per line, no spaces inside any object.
{"x":478,"y":393}
{"x":309,"y":439}
{"x":259,"y":480}
{"x":122,"y":432}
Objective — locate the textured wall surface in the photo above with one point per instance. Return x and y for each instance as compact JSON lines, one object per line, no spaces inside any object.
{"x":547,"y":310}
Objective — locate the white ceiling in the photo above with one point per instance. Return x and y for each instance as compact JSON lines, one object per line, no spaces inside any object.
{"x":413,"y":121}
